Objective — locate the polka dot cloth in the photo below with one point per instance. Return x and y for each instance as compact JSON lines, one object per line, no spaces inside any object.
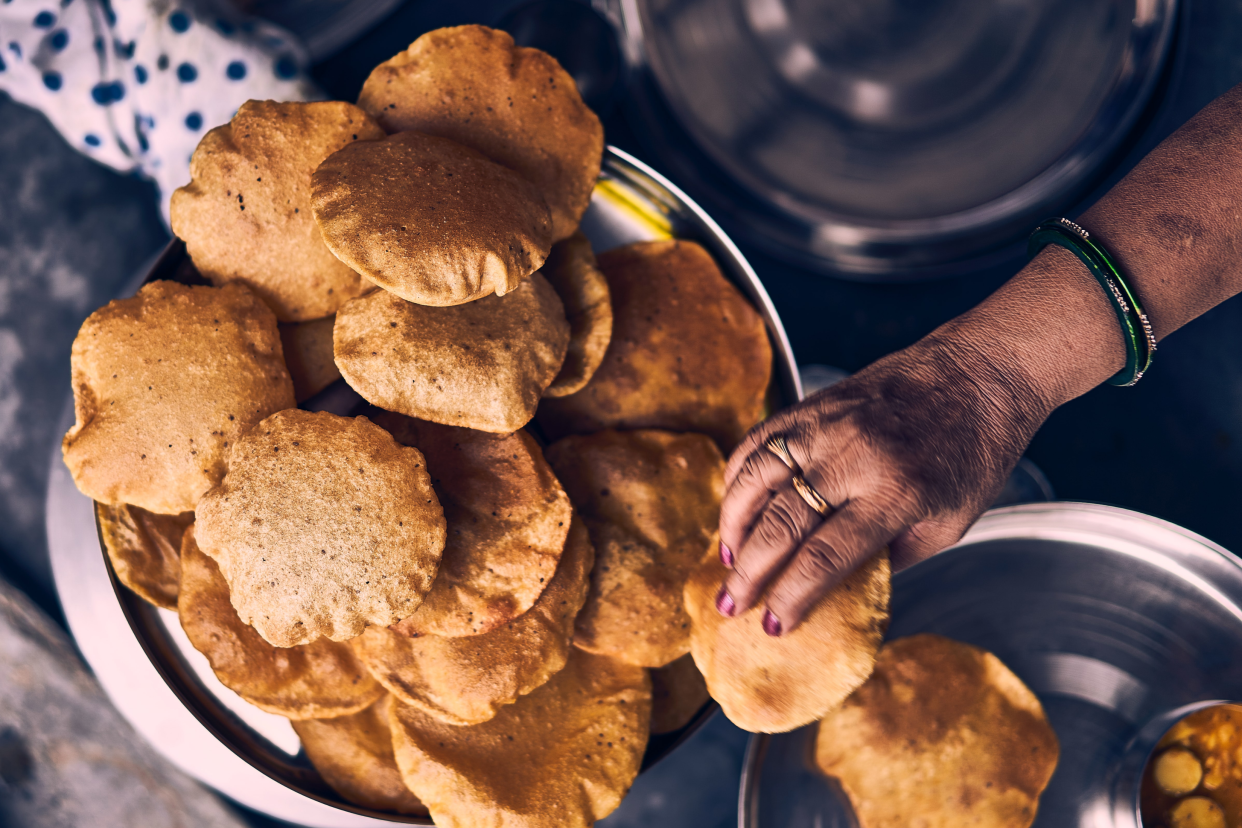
{"x":135,"y":83}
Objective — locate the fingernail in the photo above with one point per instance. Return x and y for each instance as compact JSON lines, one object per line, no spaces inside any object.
{"x":724,"y":603}
{"x":771,"y":624}
{"x":726,"y":555}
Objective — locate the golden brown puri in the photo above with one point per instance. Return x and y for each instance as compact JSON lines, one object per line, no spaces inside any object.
{"x":773,"y":685}
{"x":652,"y":501}
{"x":687,"y":353}
{"x":466,"y":681}
{"x":323,"y":525}
{"x":145,"y":549}
{"x":482,"y":365}
{"x":246,"y":213}
{"x":562,"y":757}
{"x":572,"y":272}
{"x":942,"y":735}
{"x":163,"y":383}
{"x":429,"y":219}
{"x":354,"y":755}
{"x":678,"y":691}
{"x":514,"y":104}
{"x":313,"y":681}
{"x":507,"y":519}
{"x":308,"y":355}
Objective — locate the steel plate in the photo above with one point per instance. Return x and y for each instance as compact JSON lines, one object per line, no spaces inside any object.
{"x":1119,"y":622}
{"x":166,"y":689}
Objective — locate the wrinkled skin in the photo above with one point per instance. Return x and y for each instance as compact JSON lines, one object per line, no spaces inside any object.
{"x":910,"y":451}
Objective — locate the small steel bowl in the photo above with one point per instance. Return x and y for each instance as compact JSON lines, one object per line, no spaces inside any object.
{"x":1120,"y":623}
{"x":166,"y":689}
{"x":1127,"y":811}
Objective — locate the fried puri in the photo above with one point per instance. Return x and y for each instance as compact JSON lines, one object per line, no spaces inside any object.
{"x":483,"y":365}
{"x":323,"y":525}
{"x":313,"y":681}
{"x":678,"y":691}
{"x":430,"y":220}
{"x":465,"y":681}
{"x":688,"y":352}
{"x":651,"y":500}
{"x":308,"y":355}
{"x":145,"y":549}
{"x":163,"y":383}
{"x":507,"y":518}
{"x":246,"y":213}
{"x":573,"y":274}
{"x":561,"y":757}
{"x":773,"y":685}
{"x":944,"y":732}
{"x":354,"y":755}
{"x":515,"y":105}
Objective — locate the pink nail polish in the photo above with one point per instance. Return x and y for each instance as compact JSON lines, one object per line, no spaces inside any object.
{"x":724,"y":603}
{"x":771,"y":624}
{"x":726,"y":555}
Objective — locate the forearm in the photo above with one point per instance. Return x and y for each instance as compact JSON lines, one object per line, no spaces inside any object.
{"x":1174,"y":225}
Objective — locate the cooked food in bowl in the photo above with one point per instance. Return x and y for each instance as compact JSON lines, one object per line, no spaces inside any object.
{"x":1194,"y":777}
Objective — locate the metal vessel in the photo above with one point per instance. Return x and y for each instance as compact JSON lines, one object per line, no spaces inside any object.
{"x":167,"y":690}
{"x":1119,"y":622}
{"x":889,"y":139}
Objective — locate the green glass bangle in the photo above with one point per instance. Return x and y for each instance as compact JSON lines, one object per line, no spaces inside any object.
{"x":1135,"y":327}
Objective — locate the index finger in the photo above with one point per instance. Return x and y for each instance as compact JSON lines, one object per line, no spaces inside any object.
{"x":760,"y":474}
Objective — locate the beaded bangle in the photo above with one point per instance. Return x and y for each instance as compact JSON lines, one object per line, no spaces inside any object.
{"x":1135,"y":328}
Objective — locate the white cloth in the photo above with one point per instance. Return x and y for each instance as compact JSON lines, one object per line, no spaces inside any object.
{"x":135,"y":83}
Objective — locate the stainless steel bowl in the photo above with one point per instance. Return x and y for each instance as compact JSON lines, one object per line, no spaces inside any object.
{"x":889,"y":139}
{"x":166,"y":689}
{"x":1120,"y":623}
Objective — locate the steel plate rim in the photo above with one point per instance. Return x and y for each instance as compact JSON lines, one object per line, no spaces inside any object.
{"x":131,"y":606}
{"x":615,"y":157}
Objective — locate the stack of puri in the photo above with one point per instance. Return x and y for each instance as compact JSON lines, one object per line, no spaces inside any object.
{"x":458,"y":618}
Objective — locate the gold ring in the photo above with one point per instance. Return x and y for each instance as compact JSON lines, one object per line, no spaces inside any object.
{"x":813,"y":499}
{"x":777,"y":446}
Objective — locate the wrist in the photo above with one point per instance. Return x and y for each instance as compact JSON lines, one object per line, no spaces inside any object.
{"x":1047,"y":336}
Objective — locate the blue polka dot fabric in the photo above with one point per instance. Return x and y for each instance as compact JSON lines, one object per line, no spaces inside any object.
{"x":136,"y":83}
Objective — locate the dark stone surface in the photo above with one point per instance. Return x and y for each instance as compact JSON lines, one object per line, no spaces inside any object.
{"x":67,"y":758}
{"x":695,"y":787}
{"x":72,"y":232}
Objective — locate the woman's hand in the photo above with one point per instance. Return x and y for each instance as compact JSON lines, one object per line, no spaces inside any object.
{"x":912,"y":449}
{"x":909,"y":451}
